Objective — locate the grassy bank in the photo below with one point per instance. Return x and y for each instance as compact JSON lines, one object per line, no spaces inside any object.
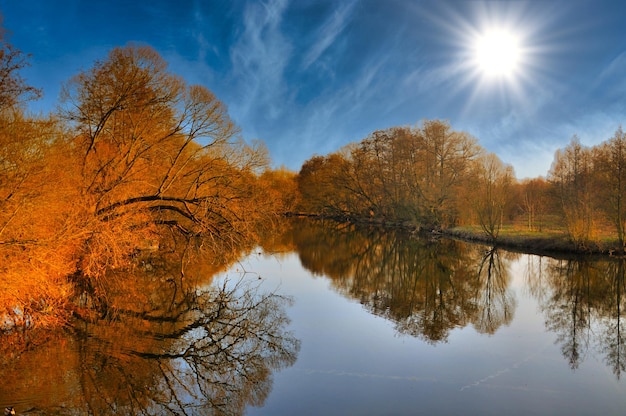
{"x":552,"y":239}
{"x":536,"y":242}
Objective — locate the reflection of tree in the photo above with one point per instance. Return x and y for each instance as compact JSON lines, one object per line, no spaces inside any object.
{"x":583,"y":302}
{"x":496,"y":305}
{"x":612,"y":339}
{"x":536,"y":271}
{"x":568,"y":310}
{"x":184,"y":349}
{"x":425,"y":287}
{"x":215,"y":352}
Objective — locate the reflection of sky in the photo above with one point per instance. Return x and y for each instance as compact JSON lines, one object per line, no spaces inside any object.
{"x":324,"y":73}
{"x":352,"y":362}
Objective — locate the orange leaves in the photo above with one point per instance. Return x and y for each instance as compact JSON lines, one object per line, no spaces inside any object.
{"x":137,"y":156}
{"x":33,"y":289}
{"x":397,"y":174}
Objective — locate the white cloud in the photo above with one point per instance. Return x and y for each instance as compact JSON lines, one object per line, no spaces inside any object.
{"x":423,"y":80}
{"x":328,"y":33}
{"x":617,"y":67}
{"x":259,"y":57}
{"x":204,"y":46}
{"x":532,"y":150}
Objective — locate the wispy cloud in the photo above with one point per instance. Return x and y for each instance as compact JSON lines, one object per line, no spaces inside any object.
{"x":266,"y":94}
{"x":328,"y":32}
{"x":531,"y":148}
{"x":259,"y":57}
{"x":612,"y":77}
{"x":617,"y":67}
{"x":425,"y":79}
{"x":199,"y":21}
{"x":337,"y":116}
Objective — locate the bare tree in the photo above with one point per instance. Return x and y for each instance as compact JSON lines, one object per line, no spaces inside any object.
{"x":490,"y":195}
{"x":13,"y":88}
{"x":571,"y":174}
{"x":611,"y":167}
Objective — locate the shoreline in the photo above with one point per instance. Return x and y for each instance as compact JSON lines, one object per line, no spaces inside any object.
{"x":540,"y":244}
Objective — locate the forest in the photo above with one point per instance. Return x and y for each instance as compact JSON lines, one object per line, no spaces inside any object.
{"x":136,"y":160}
{"x":438,"y":179}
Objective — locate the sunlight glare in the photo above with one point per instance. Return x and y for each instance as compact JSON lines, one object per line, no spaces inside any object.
{"x":497,"y":53}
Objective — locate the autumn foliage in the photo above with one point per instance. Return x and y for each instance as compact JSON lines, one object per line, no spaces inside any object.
{"x":434,"y":178}
{"x":135,"y":159}
{"x":426,"y":175}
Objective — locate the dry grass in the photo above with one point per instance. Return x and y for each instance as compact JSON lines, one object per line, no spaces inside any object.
{"x":552,"y":237}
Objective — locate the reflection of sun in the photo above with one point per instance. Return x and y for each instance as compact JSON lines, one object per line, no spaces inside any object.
{"x":497,"y":53}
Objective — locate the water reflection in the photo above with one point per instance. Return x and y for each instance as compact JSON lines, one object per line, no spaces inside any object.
{"x":170,"y":344}
{"x":496,"y":303}
{"x":427,"y":288}
{"x":583,"y":303}
{"x":168,"y":340}
{"x":612,"y":339}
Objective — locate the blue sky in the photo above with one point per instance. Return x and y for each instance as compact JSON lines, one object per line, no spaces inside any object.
{"x":308,"y":77}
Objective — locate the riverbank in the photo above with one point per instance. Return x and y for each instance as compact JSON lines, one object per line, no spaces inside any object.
{"x":554,"y":241}
{"x":535,"y":242}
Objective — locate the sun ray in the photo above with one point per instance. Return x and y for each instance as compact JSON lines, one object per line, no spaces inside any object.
{"x":497,"y":53}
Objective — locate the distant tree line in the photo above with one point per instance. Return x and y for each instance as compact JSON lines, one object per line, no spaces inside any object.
{"x":429,"y":174}
{"x":590,"y":186}
{"x":435,"y":177}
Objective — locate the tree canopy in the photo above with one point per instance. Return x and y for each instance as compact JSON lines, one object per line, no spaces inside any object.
{"x":134,"y":159}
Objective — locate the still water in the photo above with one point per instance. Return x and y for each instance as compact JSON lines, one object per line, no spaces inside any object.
{"x":327,"y":320}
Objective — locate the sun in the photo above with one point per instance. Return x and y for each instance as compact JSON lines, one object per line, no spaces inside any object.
{"x":497,"y":53}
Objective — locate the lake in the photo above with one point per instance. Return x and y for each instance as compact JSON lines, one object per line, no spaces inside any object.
{"x":337,"y":320}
